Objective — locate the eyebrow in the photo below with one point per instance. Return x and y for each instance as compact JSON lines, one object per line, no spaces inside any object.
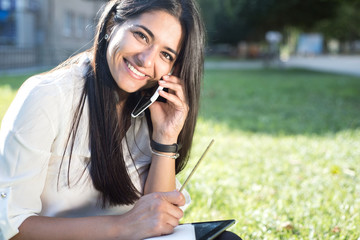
{"x":152,"y":36}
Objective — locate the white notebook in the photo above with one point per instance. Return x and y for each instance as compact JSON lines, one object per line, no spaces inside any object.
{"x":181,"y":232}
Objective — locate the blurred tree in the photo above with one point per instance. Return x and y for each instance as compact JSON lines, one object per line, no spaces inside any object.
{"x":222,"y":20}
{"x":230,"y":21}
{"x":345,"y":25}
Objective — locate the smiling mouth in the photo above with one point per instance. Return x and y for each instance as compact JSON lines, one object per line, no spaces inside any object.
{"x":134,"y":70}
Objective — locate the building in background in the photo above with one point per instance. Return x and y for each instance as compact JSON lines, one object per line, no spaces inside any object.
{"x":45,"y":32}
{"x":310,"y":44}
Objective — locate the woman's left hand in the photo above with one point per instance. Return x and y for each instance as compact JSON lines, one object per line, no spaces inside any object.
{"x":168,"y":118}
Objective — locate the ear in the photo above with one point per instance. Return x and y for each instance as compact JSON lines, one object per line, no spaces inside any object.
{"x":108,"y":34}
{"x":110,"y":28}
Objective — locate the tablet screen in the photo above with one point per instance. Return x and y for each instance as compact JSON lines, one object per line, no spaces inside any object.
{"x":210,"y":230}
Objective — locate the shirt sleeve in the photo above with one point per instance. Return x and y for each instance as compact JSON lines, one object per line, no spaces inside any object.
{"x":26,"y":136}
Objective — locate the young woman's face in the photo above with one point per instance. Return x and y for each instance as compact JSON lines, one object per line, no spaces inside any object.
{"x":143,"y":49}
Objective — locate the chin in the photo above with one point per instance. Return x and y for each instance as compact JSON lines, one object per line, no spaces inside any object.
{"x":129,"y":89}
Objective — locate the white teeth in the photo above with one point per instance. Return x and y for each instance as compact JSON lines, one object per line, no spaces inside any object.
{"x":134,"y":70}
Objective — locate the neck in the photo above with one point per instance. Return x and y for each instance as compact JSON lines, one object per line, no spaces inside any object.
{"x":121,"y":96}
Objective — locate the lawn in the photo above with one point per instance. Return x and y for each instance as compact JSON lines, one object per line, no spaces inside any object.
{"x":285,"y":162}
{"x":8,"y":87}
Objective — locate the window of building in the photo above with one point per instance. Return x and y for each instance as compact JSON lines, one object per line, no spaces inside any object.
{"x":68,"y":23}
{"x":7,"y":22}
{"x":90,"y":28}
{"x":80,"y":26}
{"x":5,"y":5}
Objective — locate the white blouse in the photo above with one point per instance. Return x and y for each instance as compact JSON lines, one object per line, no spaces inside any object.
{"x":33,"y":135}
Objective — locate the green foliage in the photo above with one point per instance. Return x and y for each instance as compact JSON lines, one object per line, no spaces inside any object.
{"x":230,"y":21}
{"x":8,"y":88}
{"x":285,"y":159}
{"x":344,"y":26}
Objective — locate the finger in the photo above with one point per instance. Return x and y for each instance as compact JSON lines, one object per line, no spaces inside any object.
{"x":168,"y":202}
{"x":174,"y":197}
{"x":162,"y":229}
{"x":167,"y":229}
{"x":174,"y":87}
{"x":174,"y":83}
{"x":171,"y":78}
{"x":171,"y":97}
{"x":172,"y":221}
{"x":177,"y":103}
{"x":174,"y":211}
{"x":172,"y":206}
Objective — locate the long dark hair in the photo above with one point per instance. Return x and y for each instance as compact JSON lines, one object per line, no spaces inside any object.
{"x":107,"y":126}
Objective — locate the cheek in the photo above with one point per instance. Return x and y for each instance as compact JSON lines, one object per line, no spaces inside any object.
{"x":161,"y":69}
{"x":114,"y":57}
{"x":117,"y":45}
{"x":166,"y":69}
{"x":113,"y":51}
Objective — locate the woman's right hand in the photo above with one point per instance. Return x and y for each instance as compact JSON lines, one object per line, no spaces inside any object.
{"x":154,"y":214}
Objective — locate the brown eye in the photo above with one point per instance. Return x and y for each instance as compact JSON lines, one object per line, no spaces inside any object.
{"x":141,"y":36}
{"x":167,"y":56}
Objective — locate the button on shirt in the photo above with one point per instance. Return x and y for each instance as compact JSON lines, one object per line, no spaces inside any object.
{"x":34,"y":131}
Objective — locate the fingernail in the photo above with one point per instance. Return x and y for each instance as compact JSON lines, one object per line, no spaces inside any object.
{"x":166,"y":77}
{"x":162,"y":82}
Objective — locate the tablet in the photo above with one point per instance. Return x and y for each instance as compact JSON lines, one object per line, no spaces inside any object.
{"x":210,"y":230}
{"x":197,"y":231}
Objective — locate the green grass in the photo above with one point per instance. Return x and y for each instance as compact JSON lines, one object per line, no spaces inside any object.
{"x":285,"y":162}
{"x":8,"y":88}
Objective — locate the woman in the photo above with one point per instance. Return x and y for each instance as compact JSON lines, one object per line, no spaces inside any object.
{"x":51,"y":185}
{"x":74,"y":164}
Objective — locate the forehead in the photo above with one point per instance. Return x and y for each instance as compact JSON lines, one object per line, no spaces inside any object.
{"x":165,"y":27}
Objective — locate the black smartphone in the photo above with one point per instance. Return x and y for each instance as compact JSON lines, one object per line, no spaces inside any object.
{"x":146,"y":101}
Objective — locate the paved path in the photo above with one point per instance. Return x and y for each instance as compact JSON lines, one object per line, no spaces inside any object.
{"x":241,"y":64}
{"x":335,"y":64}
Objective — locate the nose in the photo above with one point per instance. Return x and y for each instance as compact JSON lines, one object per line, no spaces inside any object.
{"x":146,"y":57}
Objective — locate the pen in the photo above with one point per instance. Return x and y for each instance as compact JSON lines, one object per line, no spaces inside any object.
{"x":196,"y":166}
